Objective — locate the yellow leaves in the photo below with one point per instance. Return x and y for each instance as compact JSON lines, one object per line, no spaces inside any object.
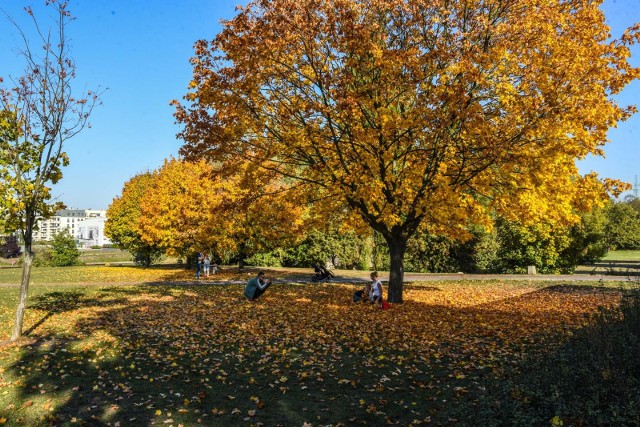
{"x":185,"y":206}
{"x":615,"y":186}
{"x":331,"y":98}
{"x":177,"y":207}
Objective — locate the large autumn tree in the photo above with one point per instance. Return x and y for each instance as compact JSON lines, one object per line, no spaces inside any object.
{"x":123,"y":220}
{"x":179,"y":208}
{"x":263,"y":212}
{"x":39,"y":113}
{"x":415,"y":113}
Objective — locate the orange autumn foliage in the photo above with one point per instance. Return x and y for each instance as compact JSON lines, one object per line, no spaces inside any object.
{"x":195,"y":206}
{"x":413,"y":113}
{"x":179,"y":208}
{"x":264,"y":213}
{"x":124,"y":214}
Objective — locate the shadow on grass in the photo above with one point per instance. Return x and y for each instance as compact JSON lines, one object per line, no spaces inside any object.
{"x":592,"y":378}
{"x":186,"y":355}
{"x":612,"y":268}
{"x":59,"y":302}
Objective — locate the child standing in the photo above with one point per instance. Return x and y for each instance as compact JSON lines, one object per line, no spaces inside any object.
{"x":207,"y":264}
{"x":376,"y":290}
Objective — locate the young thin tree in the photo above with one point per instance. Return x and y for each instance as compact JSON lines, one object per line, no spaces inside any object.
{"x":415,"y":113}
{"x":39,"y":114}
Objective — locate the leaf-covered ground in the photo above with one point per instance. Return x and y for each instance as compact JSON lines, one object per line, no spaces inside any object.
{"x":200,"y":354}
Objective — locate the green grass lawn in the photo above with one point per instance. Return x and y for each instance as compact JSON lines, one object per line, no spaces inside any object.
{"x":93,"y":274}
{"x":102,"y":350}
{"x":104,"y":255}
{"x":623,"y":256}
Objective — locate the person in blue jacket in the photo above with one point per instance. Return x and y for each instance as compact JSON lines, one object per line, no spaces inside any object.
{"x":256,"y":286}
{"x":199,"y":261}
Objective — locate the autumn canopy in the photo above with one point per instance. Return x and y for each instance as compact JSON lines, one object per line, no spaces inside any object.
{"x":415,"y":114}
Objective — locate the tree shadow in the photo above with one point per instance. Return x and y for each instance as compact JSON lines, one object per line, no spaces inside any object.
{"x":611,"y":267}
{"x":590,"y":377}
{"x":54,"y":303}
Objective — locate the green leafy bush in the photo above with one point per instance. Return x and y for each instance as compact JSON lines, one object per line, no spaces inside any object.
{"x":65,"y":251}
{"x":43,"y":256}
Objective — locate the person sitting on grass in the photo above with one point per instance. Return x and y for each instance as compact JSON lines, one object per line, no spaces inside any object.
{"x":362,"y":293}
{"x":256,"y":286}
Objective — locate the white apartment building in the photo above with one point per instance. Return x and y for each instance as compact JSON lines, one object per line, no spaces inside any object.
{"x":90,"y":232}
{"x":86,"y":225}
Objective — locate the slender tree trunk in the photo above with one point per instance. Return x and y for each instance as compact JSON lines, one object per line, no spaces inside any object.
{"x":24,"y":289}
{"x":397,"y":248}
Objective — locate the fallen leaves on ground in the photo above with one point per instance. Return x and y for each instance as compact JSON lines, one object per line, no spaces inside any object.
{"x":301,"y":353}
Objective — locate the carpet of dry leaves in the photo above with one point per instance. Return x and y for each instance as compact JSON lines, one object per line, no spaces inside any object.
{"x":199,"y":354}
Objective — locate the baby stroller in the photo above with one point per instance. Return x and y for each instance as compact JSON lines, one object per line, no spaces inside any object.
{"x":321,"y":273}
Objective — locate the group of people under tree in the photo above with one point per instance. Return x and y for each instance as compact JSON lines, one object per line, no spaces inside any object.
{"x":204,"y":265}
{"x":257,"y":286}
{"x":371,"y":292}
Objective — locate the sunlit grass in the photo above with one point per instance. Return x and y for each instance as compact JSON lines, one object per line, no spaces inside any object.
{"x":623,"y":256}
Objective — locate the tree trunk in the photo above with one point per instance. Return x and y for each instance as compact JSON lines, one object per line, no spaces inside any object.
{"x":397,"y":247}
{"x":242,"y":251}
{"x":24,"y":288}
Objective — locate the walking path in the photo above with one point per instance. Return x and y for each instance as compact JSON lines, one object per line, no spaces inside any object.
{"x":434,"y":277}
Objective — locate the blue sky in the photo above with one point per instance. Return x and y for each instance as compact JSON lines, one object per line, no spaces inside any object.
{"x":139,"y":50}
